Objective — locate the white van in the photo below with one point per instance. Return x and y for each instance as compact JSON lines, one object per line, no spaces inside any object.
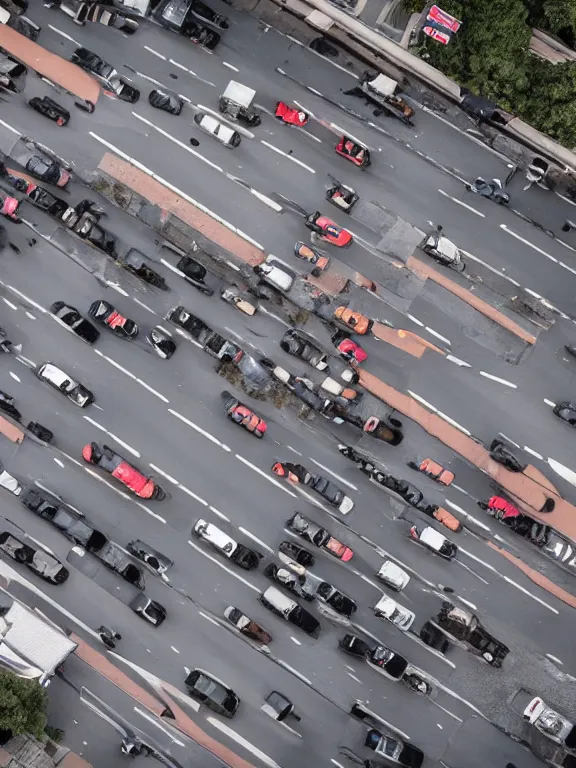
{"x":220,"y":131}
{"x":290,"y":610}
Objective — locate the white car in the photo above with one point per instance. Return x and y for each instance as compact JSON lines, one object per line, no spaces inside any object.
{"x":434,"y":541}
{"x":75,"y":392}
{"x":9,"y":482}
{"x":553,"y":725}
{"x":389,"y":609}
{"x":220,"y":131}
{"x":277,"y":273}
{"x":243,"y":556}
{"x":393,"y":576}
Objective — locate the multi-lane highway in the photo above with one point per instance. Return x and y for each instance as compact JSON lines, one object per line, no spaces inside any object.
{"x":166,"y":416}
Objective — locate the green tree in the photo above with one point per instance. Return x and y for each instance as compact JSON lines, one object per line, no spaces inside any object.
{"x":22,"y":705}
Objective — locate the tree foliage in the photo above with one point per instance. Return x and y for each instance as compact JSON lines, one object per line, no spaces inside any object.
{"x":22,"y":705}
{"x":491,"y":56}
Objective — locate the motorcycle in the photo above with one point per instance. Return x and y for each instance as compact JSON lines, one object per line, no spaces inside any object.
{"x":493,"y":190}
{"x":246,"y":626}
{"x":536,"y":173}
{"x":443,"y":250}
{"x":417,"y":684}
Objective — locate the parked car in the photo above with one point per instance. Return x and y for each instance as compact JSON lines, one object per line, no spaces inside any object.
{"x":288,"y":580}
{"x":332,"y":494}
{"x":155,"y":560}
{"x":149,"y":610}
{"x":295,"y":553}
{"x":312,"y":255}
{"x":319,"y":536}
{"x":355,"y":646}
{"x":46,"y":201}
{"x":327,"y":230}
{"x":434,"y":541}
{"x":70,"y":316}
{"x":212,"y":692}
{"x":238,"y":553}
{"x":115,"y":558}
{"x":389,"y":609}
{"x":242,"y":415}
{"x":110,"y":461}
{"x":277,"y":273}
{"x":38,"y":560}
{"x":554,"y":726}
{"x":246,"y":626}
{"x":49,"y":108}
{"x":55,"y":377}
{"x":161,"y":342}
{"x":388,"y":662}
{"x":178,"y":16}
{"x":12,"y":74}
{"x":503,"y":454}
{"x":255,"y":376}
{"x":566,"y":411}
{"x":210,"y":341}
{"x":9,"y":482}
{"x":105,"y":74}
{"x":336,"y":599}
{"x":203,"y":11}
{"x":166,"y":102}
{"x":242,"y":301}
{"x":560,"y":550}
{"x":105,"y":314}
{"x":393,"y":576}
{"x":433,"y":470}
{"x":297,"y":343}
{"x":465,"y":629}
{"x":356,"y":321}
{"x":219,"y":130}
{"x":194,"y":273}
{"x":290,"y":610}
{"x":394,"y":750}
{"x":48,"y":170}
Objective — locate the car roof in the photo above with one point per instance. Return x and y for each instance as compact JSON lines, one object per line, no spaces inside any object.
{"x":393,"y":571}
{"x":280,"y":601}
{"x":218,"y":536}
{"x":432,"y":538}
{"x":386,"y":605}
{"x":56,"y":374}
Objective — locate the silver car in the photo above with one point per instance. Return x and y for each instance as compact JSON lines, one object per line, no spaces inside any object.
{"x":220,"y":131}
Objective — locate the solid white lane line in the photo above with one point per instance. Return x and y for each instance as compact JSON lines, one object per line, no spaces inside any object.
{"x":570,"y":269}
{"x":153,"y":391}
{"x":172,"y":267}
{"x":208,"y":618}
{"x":286,"y":155}
{"x":60,"y":463}
{"x":498,"y":379}
{"x":166,"y":331}
{"x":422,"y":401}
{"x":63,"y":34}
{"x":294,"y":671}
{"x":468,"y":603}
{"x":336,"y":763}
{"x":293,"y":450}
{"x":457,"y":361}
{"x":30,"y":315}
{"x":527,"y":242}
{"x":230,"y":66}
{"x":27,"y":298}
{"x":501,"y":434}
{"x":264,"y":199}
{"x":256,"y":539}
{"x":454,"y":423}
{"x":113,"y":436}
{"x":155,"y":53}
{"x":550,"y":403}
{"x":174,"y":189}
{"x":295,"y":640}
{"x":220,"y":564}
{"x":198,"y":429}
{"x":219,"y":514}
{"x":467,"y":515}
{"x":262,"y":756}
{"x":9,"y":127}
{"x":195,"y":496}
{"x":438,"y":335}
{"x":174,"y":649}
{"x":16,"y":378}
{"x":270,"y":479}
{"x":145,"y":306}
{"x":555,"y":658}
{"x":508,"y":580}
{"x":464,"y":205}
{"x":12,"y":306}
{"x":350,"y":485}
{"x":415,"y":320}
{"x":116,"y":287}
{"x":155,"y":722}
{"x":164,"y":474}
{"x":354,"y":677}
{"x":115,"y":364}
{"x":533,"y":452}
{"x":178,"y":142}
{"x":498,"y":272}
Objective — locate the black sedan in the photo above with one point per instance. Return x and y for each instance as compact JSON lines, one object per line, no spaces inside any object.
{"x":48,"y":202}
{"x":566,"y":412}
{"x":105,"y":314}
{"x":43,"y":564}
{"x":105,"y":74}
{"x":167,"y":102}
{"x":70,"y":317}
{"x":207,"y":689}
{"x":337,"y":600}
{"x":177,"y":15}
{"x":297,"y":343}
{"x":355,"y":646}
{"x":149,"y":610}
{"x":46,"y":169}
{"x":296,"y":553}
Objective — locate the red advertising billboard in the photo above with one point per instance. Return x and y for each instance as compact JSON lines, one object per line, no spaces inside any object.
{"x":444,"y":19}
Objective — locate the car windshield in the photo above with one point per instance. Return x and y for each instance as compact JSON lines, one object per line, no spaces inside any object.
{"x":38,"y":166}
{"x":389,"y":746}
{"x":214,"y":691}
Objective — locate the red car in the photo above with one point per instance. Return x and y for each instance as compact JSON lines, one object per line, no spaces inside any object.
{"x":351,"y":351}
{"x":328,"y":230}
{"x":108,"y":460}
{"x":241,"y":414}
{"x":353,"y":152}
{"x":290,"y":115}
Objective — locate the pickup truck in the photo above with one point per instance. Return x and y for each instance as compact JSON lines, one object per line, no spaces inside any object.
{"x":209,"y":340}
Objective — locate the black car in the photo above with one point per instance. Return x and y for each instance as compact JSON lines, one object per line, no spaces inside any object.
{"x":48,"y":202}
{"x":206,"y":13}
{"x":73,"y":319}
{"x":187,"y":321}
{"x":46,"y":169}
{"x":12,"y":74}
{"x":43,"y":564}
{"x":149,"y":610}
{"x":296,"y":343}
{"x":355,"y":646}
{"x":337,"y":600}
{"x":105,"y":314}
{"x":501,"y":453}
{"x":206,"y":688}
{"x":389,"y":662}
{"x":297,"y":553}
{"x":560,"y":550}
{"x":178,"y":16}
{"x":41,"y":505}
{"x":49,"y":108}
{"x":155,"y":560}
{"x":105,"y":74}
{"x":567,"y":412}
{"x":288,"y":580}
{"x":161,"y":342}
{"x":167,"y":102}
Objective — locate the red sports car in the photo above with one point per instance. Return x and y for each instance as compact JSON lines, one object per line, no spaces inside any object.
{"x":354,"y":152}
{"x":242,"y":415}
{"x":351,"y":351}
{"x":108,"y":460}
{"x":312,"y":255}
{"x":105,"y":314}
{"x":290,"y":115}
{"x":328,"y":230}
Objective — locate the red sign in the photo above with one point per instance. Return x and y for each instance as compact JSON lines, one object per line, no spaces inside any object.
{"x":441,"y":37}
{"x":441,"y":17}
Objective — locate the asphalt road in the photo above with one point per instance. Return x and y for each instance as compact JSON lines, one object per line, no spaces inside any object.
{"x":166,"y":416}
